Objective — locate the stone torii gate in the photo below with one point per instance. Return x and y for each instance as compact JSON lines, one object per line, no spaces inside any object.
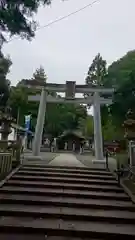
{"x":70,"y":89}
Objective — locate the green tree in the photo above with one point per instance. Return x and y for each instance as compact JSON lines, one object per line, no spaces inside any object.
{"x":124,"y":99}
{"x":40,"y":75}
{"x":86,"y":126}
{"x":18,"y":103}
{"x":39,"y":78}
{"x":5,"y":64}
{"x":111,"y":131}
{"x":97,"y":72}
{"x":96,"y":76}
{"x":67,"y":116}
{"x":120,"y":70}
{"x":17,"y":17}
{"x":121,"y":75}
{"x":19,"y":97}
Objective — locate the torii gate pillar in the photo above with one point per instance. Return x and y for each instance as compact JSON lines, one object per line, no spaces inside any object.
{"x":98,"y":142}
{"x":40,"y":124}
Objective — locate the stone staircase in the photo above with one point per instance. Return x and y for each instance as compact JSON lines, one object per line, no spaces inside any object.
{"x":64,"y":203}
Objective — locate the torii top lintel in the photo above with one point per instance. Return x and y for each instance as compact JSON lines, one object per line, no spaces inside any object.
{"x":79,"y":88}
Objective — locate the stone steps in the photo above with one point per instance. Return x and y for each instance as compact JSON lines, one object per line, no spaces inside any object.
{"x":70,"y":228}
{"x":60,"y":185}
{"x":64,"y":193}
{"x":66,"y":175}
{"x":46,"y":202}
{"x":68,"y":213}
{"x":87,"y":203}
{"x":37,"y":237}
{"x":66,"y":170}
{"x":26,"y":176}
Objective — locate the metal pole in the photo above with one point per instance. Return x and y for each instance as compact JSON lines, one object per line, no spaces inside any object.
{"x":97,"y":129}
{"x":106,"y":156}
{"x":40,"y":123}
{"x":17,"y":122}
{"x":130,"y":152}
{"x":118,"y":171}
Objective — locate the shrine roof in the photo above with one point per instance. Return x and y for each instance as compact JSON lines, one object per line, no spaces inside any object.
{"x":76,"y":133}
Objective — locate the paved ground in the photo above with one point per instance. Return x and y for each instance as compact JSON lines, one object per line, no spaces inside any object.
{"x":87,"y":161}
{"x":66,"y":159}
{"x":46,"y":157}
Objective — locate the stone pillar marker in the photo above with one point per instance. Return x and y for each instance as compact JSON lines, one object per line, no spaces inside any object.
{"x":40,"y":123}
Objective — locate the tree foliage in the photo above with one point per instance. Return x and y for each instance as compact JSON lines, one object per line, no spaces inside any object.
{"x":5,"y":64}
{"x":86,"y":126}
{"x":111,"y":131}
{"x":124,"y":99}
{"x":97,"y":76}
{"x":120,"y":70}
{"x":40,"y":75}
{"x":61,"y":117}
{"x":120,"y":75}
{"x":17,"y":17}
{"x":97,"y":72}
{"x":18,"y":102}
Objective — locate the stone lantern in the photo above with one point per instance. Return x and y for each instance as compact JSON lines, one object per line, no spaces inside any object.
{"x":5,"y":121}
{"x":129,"y":126}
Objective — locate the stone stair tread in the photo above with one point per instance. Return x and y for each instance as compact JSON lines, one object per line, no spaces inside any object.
{"x":67,"y":227}
{"x":68,"y":211}
{"x":26,"y":236}
{"x":32,"y":163}
{"x":54,"y":184}
{"x":86,"y":203}
{"x":79,"y":193}
{"x":66,"y":170}
{"x":59,"y":174}
{"x":65,"y":179}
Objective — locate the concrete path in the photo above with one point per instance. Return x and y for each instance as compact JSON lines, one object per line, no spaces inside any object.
{"x":66,"y":159}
